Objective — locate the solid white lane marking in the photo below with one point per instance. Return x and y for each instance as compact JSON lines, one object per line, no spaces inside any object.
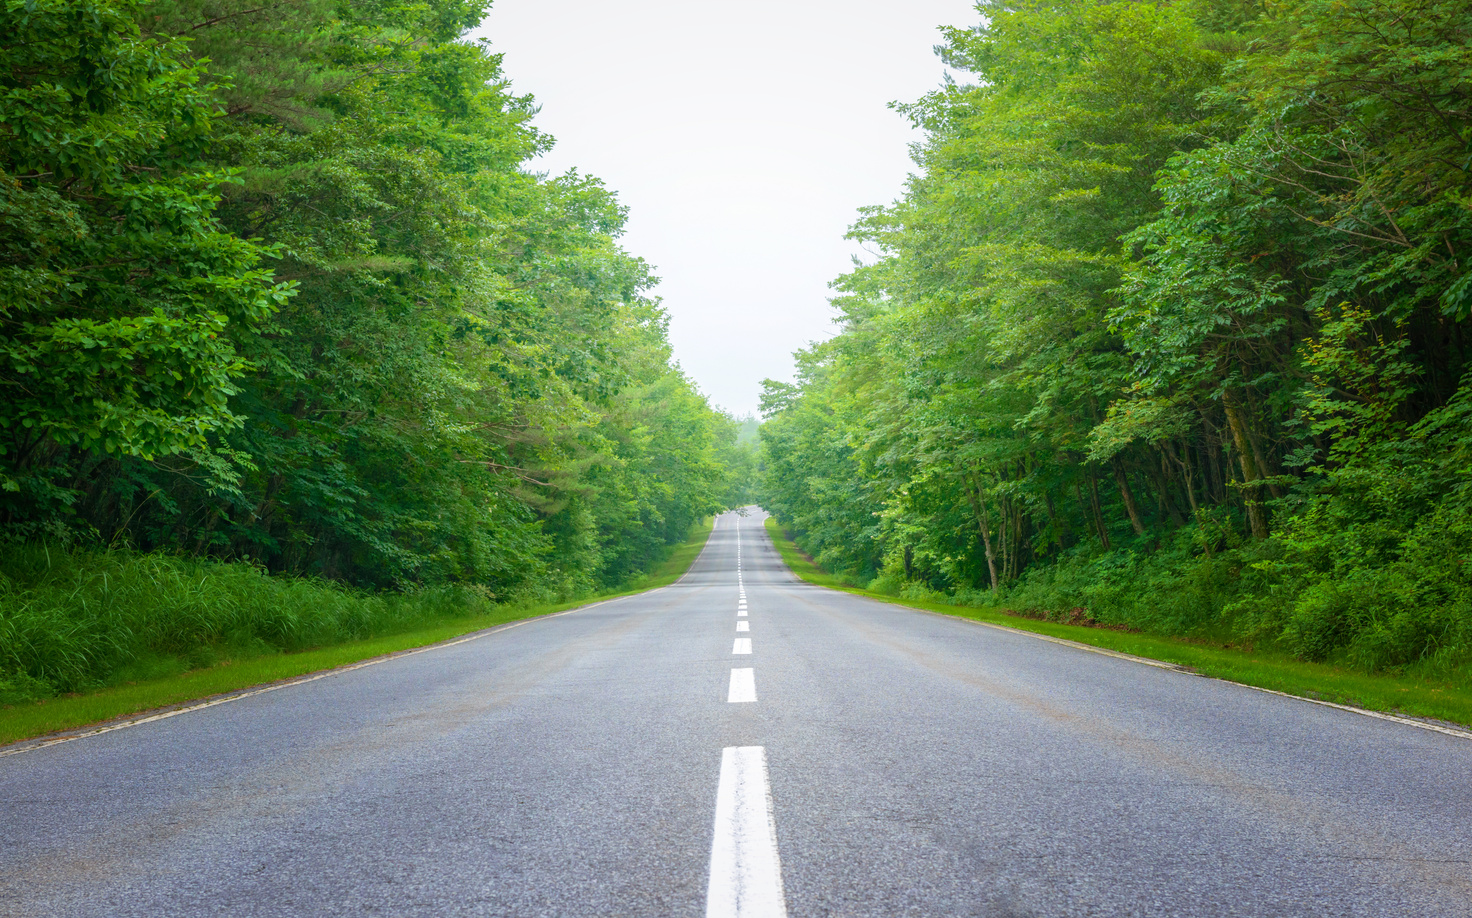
{"x":745,"y":872}
{"x":743,"y":686}
{"x":743,"y":626}
{"x":138,"y":720}
{"x":742,"y":645}
{"x":1160,"y":664}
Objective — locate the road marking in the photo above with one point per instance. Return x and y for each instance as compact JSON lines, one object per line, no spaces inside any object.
{"x":743,"y":686}
{"x":138,"y":720}
{"x":745,"y":872}
{"x":740,"y":613}
{"x":1184,"y":670}
{"x":743,"y":626}
{"x":742,"y":646}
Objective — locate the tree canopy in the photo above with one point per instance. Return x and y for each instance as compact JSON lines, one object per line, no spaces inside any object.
{"x":1170,"y":328}
{"x":278,"y":284}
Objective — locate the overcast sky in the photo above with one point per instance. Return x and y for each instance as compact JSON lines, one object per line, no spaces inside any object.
{"x":743,"y":136}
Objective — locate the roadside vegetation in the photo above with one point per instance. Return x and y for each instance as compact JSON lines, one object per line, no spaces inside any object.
{"x":296,"y":347}
{"x":98,"y":635}
{"x":1170,"y":332}
{"x":1449,"y":701}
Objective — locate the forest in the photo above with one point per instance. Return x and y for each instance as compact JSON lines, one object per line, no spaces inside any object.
{"x":1169,"y":331}
{"x":284,"y":298}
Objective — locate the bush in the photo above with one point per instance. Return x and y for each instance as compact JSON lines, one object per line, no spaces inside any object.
{"x":72,"y":620}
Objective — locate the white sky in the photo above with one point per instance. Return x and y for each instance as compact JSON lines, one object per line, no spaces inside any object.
{"x":743,"y":136}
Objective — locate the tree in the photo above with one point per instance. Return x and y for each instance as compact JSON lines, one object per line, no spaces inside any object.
{"x":123,"y":301}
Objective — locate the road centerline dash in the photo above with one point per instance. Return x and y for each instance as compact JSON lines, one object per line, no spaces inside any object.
{"x":742,"y":688}
{"x":745,"y":871}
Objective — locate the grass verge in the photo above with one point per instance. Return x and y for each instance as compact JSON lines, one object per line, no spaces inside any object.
{"x":33,"y":719}
{"x":1279,"y":672}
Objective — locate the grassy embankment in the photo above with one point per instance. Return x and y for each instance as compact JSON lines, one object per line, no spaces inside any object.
{"x":133,"y":633}
{"x":1279,"y":672}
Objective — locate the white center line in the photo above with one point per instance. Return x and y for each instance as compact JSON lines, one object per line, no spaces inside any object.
{"x":740,"y":613}
{"x":742,"y":646}
{"x":743,"y":626}
{"x":743,"y":686}
{"x":745,"y":872}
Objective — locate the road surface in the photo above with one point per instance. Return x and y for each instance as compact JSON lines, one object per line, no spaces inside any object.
{"x":833,"y":757}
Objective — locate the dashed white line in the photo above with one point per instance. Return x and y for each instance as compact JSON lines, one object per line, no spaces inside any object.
{"x":743,"y":626}
{"x":742,"y":646}
{"x":745,"y":872}
{"x":740,"y":613}
{"x":742,"y":687}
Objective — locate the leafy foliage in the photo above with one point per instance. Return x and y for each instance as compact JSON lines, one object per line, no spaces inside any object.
{"x":1169,"y":331}
{"x":277,"y":285}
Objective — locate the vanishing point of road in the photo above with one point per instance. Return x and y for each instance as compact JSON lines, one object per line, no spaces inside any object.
{"x":744,"y":744}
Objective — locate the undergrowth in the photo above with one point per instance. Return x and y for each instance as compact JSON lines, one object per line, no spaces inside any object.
{"x":77,"y":620}
{"x":73,"y":620}
{"x":1303,"y":593}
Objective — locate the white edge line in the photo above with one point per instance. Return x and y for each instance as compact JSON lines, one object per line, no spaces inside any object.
{"x":31,"y":745}
{"x":689,"y":570}
{"x":1381,"y":715}
{"x":1173,"y":667}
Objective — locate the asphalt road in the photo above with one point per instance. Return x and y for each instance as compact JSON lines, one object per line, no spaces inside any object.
{"x":592,"y":764}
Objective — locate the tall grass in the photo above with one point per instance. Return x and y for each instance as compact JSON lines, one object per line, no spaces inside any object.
{"x":1179,"y":637}
{"x":73,"y":620}
{"x":77,"y":620}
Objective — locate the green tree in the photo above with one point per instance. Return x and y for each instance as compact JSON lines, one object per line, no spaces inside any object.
{"x":124,"y":304}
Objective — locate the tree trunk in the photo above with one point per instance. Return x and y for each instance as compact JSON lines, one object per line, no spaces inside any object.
{"x":1128,"y":496}
{"x":1187,"y":474}
{"x":1004,"y":533}
{"x":1263,"y":469}
{"x":1168,"y":503}
{"x":1054,"y":520}
{"x":1098,"y":511}
{"x":978,"y":509}
{"x":1256,"y":516}
{"x":1215,"y":482}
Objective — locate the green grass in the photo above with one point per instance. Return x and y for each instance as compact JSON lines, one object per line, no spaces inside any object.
{"x":1279,"y":672}
{"x":247,"y":664}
